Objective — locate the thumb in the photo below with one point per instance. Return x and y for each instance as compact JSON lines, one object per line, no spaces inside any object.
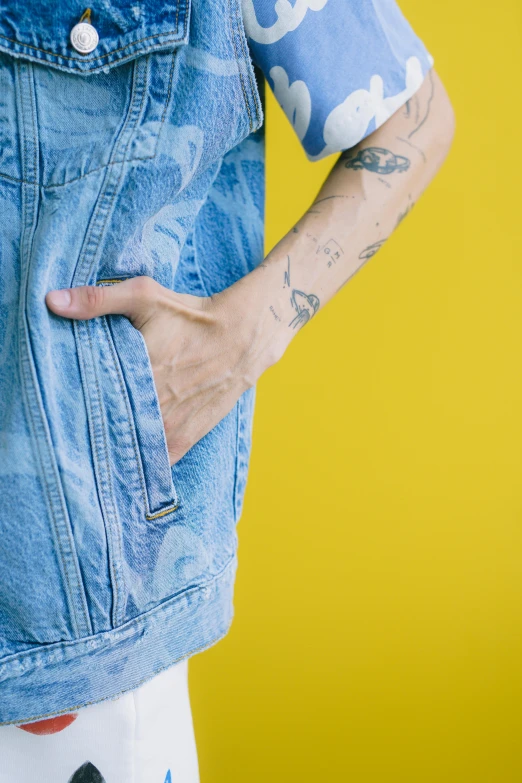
{"x":132,"y":298}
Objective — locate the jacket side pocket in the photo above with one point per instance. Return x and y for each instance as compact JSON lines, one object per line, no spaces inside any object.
{"x":145,"y":419}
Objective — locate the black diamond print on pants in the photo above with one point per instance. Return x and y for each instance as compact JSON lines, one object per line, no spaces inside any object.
{"x":87,"y":773}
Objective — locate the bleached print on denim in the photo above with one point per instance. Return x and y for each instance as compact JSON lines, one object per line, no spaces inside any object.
{"x":113,"y":564}
{"x":338,"y":68}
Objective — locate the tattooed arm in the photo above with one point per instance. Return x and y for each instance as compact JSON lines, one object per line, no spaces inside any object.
{"x":205,"y":351}
{"x":370,"y":190}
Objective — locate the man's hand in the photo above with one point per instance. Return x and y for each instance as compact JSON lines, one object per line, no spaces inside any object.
{"x":205,"y":351}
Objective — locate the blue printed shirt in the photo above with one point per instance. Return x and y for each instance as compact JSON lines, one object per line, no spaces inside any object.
{"x":338,"y":68}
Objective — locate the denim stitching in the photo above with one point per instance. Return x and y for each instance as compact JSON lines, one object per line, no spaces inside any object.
{"x":91,"y":59}
{"x":253,"y":89}
{"x":130,"y":417}
{"x":36,"y":439}
{"x":19,"y":180}
{"x":151,"y":615}
{"x":112,"y":529}
{"x":125,"y":690}
{"x":113,"y":51}
{"x":67,"y":69}
{"x":117,"y":184}
{"x":115,"y":614}
{"x":81,"y":588}
{"x":79,"y":592}
{"x":75,"y":179}
{"x":110,"y":163}
{"x":104,"y":225}
{"x":162,"y":513}
{"x":77,"y":326}
{"x":143,"y":87}
{"x":121,"y":380}
{"x":239,"y":65}
{"x":171,"y":74}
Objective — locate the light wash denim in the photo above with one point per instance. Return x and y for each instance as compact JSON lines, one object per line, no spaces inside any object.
{"x":144,"y":157}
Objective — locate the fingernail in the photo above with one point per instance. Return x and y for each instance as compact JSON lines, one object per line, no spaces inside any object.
{"x":61,"y":298}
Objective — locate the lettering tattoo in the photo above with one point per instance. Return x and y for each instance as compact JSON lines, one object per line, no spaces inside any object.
{"x":376,"y":159}
{"x":276,"y":316}
{"x":305,"y":305}
{"x":312,"y":238}
{"x":332,"y":250}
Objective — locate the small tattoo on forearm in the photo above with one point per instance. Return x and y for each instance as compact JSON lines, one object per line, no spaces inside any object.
{"x":375,"y":159}
{"x":371,"y":250}
{"x":332,"y":250}
{"x":402,"y":215}
{"x":287,"y":274}
{"x":277,"y":318}
{"x":305,"y":305}
{"x":428,"y":107}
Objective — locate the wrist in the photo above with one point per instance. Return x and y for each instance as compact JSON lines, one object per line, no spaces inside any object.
{"x":257,"y":316}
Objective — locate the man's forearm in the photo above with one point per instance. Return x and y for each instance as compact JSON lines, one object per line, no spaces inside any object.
{"x":369,"y":191}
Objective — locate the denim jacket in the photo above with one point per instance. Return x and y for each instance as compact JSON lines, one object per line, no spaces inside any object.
{"x":131,"y":143}
{"x":143,"y":156}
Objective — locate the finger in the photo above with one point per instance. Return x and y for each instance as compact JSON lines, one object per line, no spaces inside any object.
{"x":133,"y":298}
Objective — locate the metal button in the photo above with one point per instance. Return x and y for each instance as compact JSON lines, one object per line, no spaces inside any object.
{"x":84,"y":37}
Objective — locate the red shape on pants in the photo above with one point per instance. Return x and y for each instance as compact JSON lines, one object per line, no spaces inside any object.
{"x":50,"y":726}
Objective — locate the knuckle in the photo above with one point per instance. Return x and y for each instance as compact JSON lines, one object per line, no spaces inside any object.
{"x":94,"y":296}
{"x":143,"y":287}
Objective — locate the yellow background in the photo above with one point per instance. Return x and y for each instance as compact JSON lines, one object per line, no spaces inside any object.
{"x":378,"y":628}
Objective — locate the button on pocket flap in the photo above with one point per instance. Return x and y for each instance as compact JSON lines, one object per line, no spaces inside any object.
{"x":74,"y":38}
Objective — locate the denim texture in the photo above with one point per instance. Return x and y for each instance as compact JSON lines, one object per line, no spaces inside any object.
{"x":146,"y":159}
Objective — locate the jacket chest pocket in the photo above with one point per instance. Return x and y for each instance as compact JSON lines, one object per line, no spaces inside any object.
{"x":87,"y":101}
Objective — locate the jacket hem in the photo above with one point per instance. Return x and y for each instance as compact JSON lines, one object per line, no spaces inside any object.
{"x":66,"y":676}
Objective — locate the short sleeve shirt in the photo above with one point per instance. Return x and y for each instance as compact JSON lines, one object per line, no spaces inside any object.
{"x":338,"y":68}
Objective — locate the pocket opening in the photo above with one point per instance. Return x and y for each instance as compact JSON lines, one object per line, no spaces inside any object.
{"x":131,"y":356}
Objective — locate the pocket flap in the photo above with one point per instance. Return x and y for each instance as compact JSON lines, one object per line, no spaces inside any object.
{"x":122,"y":29}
